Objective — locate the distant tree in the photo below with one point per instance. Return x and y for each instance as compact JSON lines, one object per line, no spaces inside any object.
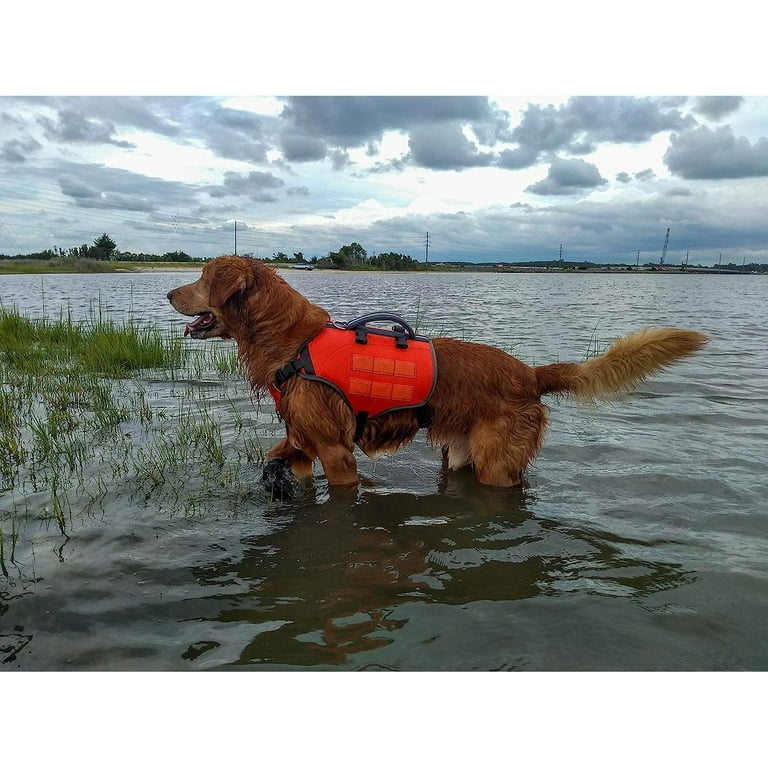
{"x":103,"y":249}
{"x":41,"y":255}
{"x":393,"y":261}
{"x":79,"y":252}
{"x":279,"y":256}
{"x":176,"y":256}
{"x":349,"y":257}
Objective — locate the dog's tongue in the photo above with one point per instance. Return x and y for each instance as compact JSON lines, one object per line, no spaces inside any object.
{"x":204,"y":318}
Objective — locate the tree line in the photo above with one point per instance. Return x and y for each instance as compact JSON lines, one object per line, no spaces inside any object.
{"x":104,"y":248}
{"x":352,"y":256}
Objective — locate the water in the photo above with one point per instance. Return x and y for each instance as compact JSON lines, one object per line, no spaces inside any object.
{"x":638,"y":542}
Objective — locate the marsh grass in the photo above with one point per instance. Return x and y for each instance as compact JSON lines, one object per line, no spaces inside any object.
{"x":50,"y":266}
{"x":96,"y":409}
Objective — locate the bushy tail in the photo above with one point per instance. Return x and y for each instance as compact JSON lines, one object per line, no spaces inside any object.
{"x":627,"y":362}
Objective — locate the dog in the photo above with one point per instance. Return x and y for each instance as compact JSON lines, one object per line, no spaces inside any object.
{"x":484,"y":410}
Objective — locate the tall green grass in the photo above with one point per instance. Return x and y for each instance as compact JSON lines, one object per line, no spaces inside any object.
{"x":96,"y":346}
{"x":96,"y":408}
{"x":50,"y":266}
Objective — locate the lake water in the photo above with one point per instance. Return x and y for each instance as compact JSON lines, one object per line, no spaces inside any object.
{"x":638,"y":542}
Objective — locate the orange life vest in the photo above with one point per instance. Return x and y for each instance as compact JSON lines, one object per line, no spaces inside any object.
{"x":375,"y":370}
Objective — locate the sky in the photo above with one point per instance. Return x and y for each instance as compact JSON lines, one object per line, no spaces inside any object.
{"x":501,"y":174}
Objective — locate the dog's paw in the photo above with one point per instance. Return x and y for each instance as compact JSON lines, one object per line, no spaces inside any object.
{"x":278,"y":479}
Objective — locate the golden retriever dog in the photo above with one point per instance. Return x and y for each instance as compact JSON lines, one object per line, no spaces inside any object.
{"x":485,"y":409}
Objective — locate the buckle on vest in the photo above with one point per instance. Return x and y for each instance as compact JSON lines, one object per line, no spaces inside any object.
{"x":288,"y":370}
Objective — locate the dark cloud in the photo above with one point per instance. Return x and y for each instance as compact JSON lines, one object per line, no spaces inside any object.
{"x":545,"y":129}
{"x":300,"y":148}
{"x":514,"y":159}
{"x":624,"y":119}
{"x":72,"y":126}
{"x":158,"y":114}
{"x":443,"y":146}
{"x":254,"y":185}
{"x":318,"y":126}
{"x":234,"y":134}
{"x":17,"y":150}
{"x":352,"y":121}
{"x":678,"y":192}
{"x":301,"y":191}
{"x":205,"y":211}
{"x":86,"y":196}
{"x":716,"y":107}
{"x":230,"y":133}
{"x":645,"y":175}
{"x":583,"y":122}
{"x":702,"y":153}
{"x":339,"y":159}
{"x":567,"y":177}
{"x":396,"y":165}
{"x":96,"y":186}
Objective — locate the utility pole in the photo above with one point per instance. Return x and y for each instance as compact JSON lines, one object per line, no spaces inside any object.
{"x":426,"y":250}
{"x":235,"y":237}
{"x":637,"y":263}
{"x":561,"y":255}
{"x":664,"y":250}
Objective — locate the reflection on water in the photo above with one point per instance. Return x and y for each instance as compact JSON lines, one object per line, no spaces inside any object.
{"x":328,"y":586}
{"x":640,"y":540}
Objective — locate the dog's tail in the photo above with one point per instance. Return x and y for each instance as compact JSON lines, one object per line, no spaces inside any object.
{"x":628,"y":361}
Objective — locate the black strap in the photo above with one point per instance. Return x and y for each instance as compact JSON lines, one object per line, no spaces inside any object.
{"x":285,"y":373}
{"x":302,"y":363}
{"x":361,"y":419}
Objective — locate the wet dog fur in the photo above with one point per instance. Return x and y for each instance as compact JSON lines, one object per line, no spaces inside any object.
{"x":486,"y":408}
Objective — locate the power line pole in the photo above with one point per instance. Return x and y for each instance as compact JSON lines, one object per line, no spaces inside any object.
{"x":235,"y":237}
{"x":561,"y":255}
{"x":664,"y":250}
{"x":426,"y":250}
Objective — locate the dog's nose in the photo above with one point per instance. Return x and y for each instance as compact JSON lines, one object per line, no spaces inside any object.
{"x":169,"y":295}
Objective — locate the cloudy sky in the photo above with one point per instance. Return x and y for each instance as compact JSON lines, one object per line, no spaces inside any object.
{"x":499,"y":177}
{"x":490,"y":178}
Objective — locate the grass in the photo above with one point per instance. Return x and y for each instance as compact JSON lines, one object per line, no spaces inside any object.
{"x":66,"y":265}
{"x":94,"y":409}
{"x":50,"y":266}
{"x":96,"y":346}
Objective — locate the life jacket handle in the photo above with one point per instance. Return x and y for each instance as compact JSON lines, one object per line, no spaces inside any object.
{"x":359,"y":325}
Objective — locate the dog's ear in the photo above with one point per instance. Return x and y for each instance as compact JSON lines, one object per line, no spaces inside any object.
{"x":224,"y":282}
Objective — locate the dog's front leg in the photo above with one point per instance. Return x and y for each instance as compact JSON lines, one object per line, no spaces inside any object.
{"x":282,"y":464}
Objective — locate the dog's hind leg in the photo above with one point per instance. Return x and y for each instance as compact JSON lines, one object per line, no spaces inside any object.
{"x":502,"y":449}
{"x":339,"y":464}
{"x":456,"y":453}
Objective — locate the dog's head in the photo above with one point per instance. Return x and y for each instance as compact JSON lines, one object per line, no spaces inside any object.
{"x":211,"y":299}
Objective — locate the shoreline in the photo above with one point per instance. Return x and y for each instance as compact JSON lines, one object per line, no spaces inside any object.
{"x":31,"y":267}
